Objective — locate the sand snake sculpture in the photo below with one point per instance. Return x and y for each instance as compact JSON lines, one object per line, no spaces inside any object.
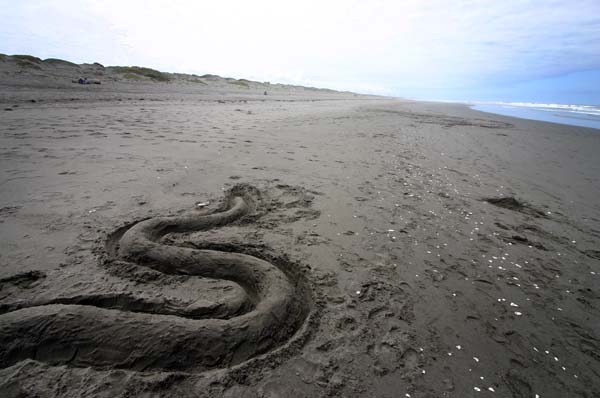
{"x":69,"y":332}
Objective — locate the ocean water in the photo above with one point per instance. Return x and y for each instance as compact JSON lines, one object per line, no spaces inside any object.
{"x":576,"y":115}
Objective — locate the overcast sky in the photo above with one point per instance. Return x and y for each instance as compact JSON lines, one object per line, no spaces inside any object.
{"x":545,"y":51}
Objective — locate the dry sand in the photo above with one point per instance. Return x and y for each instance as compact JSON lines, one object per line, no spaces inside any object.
{"x":431,"y":250}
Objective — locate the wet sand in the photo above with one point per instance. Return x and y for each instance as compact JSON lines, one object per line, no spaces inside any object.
{"x":423,"y":277}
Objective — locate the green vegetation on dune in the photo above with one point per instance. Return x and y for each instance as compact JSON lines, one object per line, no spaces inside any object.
{"x":132,"y":76}
{"x":140,"y":71}
{"x":29,"y":58}
{"x":27,"y":61}
{"x":56,"y":61}
{"x":211,"y":77}
{"x":323,"y":90}
{"x":241,"y":83}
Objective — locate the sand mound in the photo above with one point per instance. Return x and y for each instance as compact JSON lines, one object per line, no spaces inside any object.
{"x":511,"y":203}
{"x":123,"y":331}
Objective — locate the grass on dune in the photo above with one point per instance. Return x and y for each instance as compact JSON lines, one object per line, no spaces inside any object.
{"x":27,"y":61}
{"x":241,"y":82}
{"x":28,"y":58}
{"x":56,"y":61}
{"x":140,"y":71}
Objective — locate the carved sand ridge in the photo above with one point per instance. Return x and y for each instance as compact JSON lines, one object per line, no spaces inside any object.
{"x":105,"y":331}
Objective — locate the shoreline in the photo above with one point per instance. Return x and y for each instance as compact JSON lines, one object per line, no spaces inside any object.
{"x":562,"y":117}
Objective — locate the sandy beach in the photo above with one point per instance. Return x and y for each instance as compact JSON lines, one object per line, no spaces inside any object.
{"x":420,"y":249}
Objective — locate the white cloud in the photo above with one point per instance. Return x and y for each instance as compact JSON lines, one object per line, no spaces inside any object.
{"x":377,"y":46}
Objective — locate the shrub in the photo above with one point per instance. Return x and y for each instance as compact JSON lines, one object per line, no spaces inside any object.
{"x":56,"y":61}
{"x":140,"y":71}
{"x":28,"y":58}
{"x":133,"y":76}
{"x":210,"y":77}
{"x":27,"y":61}
{"x":241,"y":83}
